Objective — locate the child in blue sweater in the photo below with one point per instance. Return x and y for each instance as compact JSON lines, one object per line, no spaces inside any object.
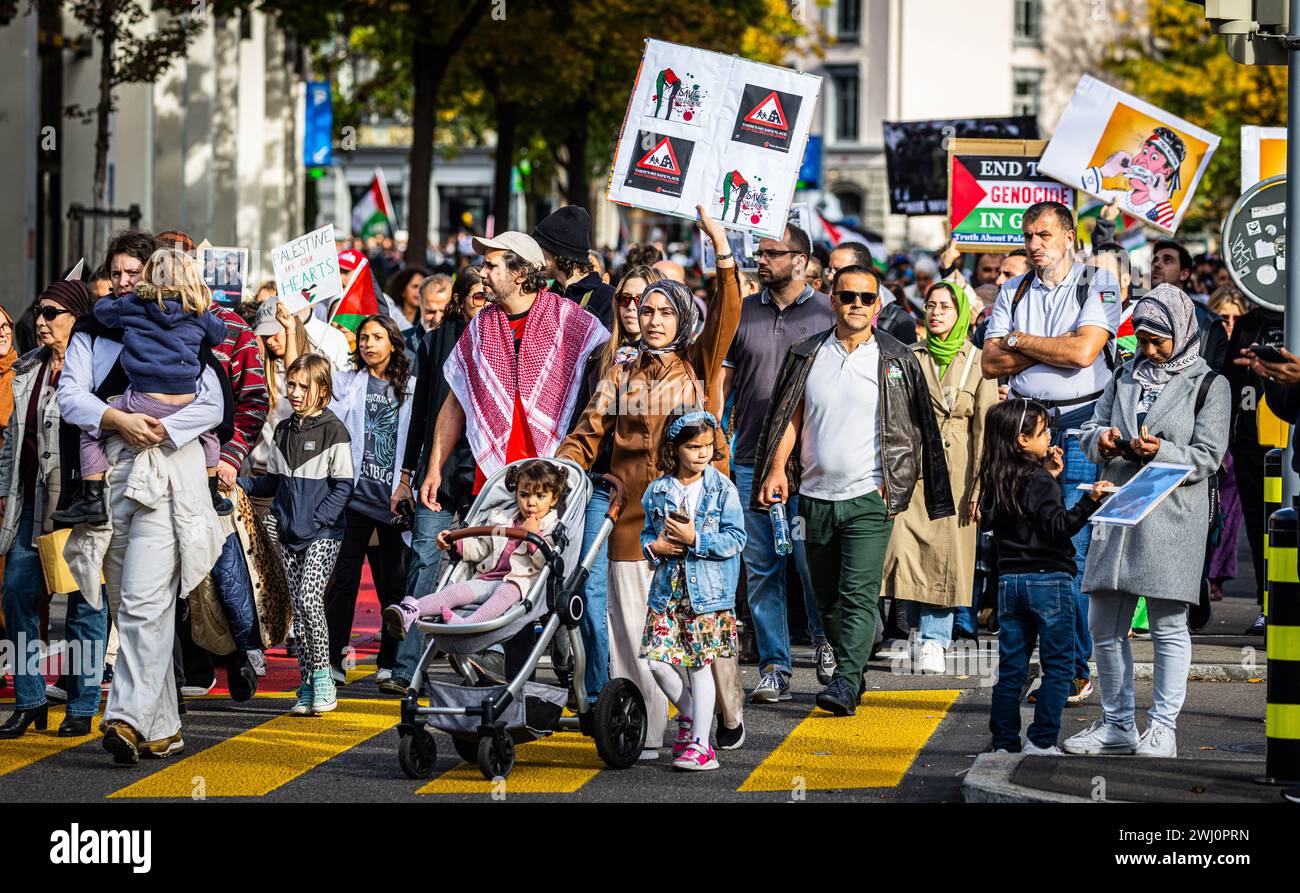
{"x":164,"y":324}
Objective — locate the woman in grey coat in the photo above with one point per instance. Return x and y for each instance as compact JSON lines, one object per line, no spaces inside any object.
{"x":1148,"y":414}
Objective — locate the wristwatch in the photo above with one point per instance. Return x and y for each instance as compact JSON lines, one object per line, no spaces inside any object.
{"x":726,"y":256}
{"x":1012,"y":340}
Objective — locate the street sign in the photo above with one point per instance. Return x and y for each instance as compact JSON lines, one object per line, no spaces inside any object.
{"x":1254,"y":243}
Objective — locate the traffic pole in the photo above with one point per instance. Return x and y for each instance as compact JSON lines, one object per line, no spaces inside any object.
{"x":1291,"y":484}
{"x":1282,"y":708}
{"x":1272,"y":502}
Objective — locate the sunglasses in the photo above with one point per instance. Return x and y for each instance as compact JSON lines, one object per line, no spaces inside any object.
{"x":478,"y":297}
{"x":625,"y":298}
{"x":50,"y":313}
{"x":852,"y":297}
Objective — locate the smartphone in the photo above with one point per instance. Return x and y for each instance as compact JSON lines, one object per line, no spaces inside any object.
{"x":1268,"y":353}
{"x":679,"y":517}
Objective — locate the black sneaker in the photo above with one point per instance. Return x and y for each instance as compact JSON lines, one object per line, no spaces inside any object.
{"x":394,"y":686}
{"x":87,"y":508}
{"x":1258,"y":627}
{"x":824,"y":661}
{"x":730,"y":739}
{"x":222,"y":505}
{"x":1292,"y":794}
{"x":838,"y":698}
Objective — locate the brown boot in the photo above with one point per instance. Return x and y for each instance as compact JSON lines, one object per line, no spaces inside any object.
{"x":123,"y":742}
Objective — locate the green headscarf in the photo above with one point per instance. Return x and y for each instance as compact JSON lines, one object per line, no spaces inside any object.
{"x":944,"y":349}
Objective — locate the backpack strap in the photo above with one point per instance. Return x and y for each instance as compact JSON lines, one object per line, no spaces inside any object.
{"x":1110,"y":348}
{"x":1021,"y":290}
{"x":1204,"y":389}
{"x":586,"y":299}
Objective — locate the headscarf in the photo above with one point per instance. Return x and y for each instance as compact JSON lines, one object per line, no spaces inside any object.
{"x":688,"y":314}
{"x":944,"y":348}
{"x":1167,"y":312}
{"x":7,"y":373}
{"x":70,"y":294}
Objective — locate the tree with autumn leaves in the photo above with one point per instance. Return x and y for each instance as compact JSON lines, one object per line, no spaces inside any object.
{"x":1175,"y":61}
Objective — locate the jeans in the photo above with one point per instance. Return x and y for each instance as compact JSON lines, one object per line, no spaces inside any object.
{"x":1172,"y":642}
{"x":1033,"y":607}
{"x":421,"y":579}
{"x":765,"y":579}
{"x":846,"y":555}
{"x":932,"y":622}
{"x":86,"y":630}
{"x":594,"y":624}
{"x":1078,"y":470}
{"x":341,"y":598}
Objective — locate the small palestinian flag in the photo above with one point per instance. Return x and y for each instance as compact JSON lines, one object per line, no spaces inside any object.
{"x":372,"y":214}
{"x":359,"y":301}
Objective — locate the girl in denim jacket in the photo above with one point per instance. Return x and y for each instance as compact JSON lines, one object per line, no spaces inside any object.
{"x":693,"y":537}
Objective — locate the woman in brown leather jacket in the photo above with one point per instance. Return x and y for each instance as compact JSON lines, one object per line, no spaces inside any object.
{"x":632,"y":404}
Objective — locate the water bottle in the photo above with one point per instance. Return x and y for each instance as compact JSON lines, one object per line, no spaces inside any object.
{"x":780,"y":528}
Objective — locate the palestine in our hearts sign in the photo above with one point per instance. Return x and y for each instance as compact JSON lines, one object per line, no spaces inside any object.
{"x":991,"y":183}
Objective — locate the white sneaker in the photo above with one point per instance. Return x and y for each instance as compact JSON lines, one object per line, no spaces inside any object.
{"x":1157,"y":741}
{"x":197,"y":691}
{"x":930,"y":660}
{"x":1033,"y":750}
{"x":383,"y":676}
{"x":1102,"y":738}
{"x":258,"y":661}
{"x":649,"y":753}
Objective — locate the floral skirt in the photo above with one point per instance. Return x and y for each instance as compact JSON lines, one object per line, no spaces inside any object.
{"x":679,"y":636}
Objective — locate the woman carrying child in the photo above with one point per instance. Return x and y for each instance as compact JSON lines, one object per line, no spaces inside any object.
{"x":693,"y":536}
{"x":1164,"y":405}
{"x":504,"y":568}
{"x":1022,"y":504}
{"x":309,"y":474}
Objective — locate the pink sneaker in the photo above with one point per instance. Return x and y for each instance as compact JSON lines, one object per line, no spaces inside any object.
{"x":696,"y":757}
{"x":684,"y":736}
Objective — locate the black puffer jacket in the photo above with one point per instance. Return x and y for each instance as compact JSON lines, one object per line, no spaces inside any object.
{"x":906,"y":422}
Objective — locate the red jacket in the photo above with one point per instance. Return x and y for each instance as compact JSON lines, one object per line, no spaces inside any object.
{"x":242,"y":361}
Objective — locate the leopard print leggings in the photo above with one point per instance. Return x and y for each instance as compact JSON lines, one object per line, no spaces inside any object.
{"x":308,"y":576}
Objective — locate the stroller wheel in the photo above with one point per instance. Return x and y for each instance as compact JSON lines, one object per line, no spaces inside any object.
{"x":619,"y":723}
{"x":466,"y":749}
{"x":417,"y":754}
{"x":494,"y":762}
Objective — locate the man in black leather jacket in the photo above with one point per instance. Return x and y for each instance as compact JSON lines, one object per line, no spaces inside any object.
{"x":849,"y":409}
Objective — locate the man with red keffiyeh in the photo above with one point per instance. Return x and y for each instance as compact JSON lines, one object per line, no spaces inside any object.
{"x":515,"y":372}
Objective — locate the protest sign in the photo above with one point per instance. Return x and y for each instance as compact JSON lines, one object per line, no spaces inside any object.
{"x":307,"y":269}
{"x":1115,"y":146}
{"x":1139,"y":497}
{"x":916,"y":156}
{"x":990,"y":183}
{"x":703,"y":128}
{"x":225,"y":271}
{"x":1263,"y":154}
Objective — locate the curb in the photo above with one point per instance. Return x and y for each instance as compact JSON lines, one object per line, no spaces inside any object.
{"x":1202,"y":672}
{"x":989,"y":781}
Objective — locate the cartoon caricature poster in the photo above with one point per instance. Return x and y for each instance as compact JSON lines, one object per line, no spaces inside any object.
{"x":717,"y":130}
{"x":1113,"y":145}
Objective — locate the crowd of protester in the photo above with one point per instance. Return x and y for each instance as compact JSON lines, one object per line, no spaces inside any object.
{"x":940,"y":426}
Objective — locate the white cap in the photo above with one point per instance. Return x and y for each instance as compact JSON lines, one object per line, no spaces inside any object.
{"x":521,"y":244}
{"x":267,"y":324}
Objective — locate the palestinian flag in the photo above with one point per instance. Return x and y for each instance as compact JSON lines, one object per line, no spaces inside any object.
{"x":1128,"y":231}
{"x":372,"y":214}
{"x":838,"y":233}
{"x":359,"y":301}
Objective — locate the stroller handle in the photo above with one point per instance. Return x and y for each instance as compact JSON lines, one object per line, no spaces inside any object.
{"x":618,"y":498}
{"x":514,"y":533}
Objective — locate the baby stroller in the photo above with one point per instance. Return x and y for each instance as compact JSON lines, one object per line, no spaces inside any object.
{"x":486,"y":722}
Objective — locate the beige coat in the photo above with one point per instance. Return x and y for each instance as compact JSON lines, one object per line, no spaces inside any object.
{"x":934,"y":561}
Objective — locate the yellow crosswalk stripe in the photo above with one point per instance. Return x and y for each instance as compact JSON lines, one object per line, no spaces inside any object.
{"x":256,"y":762}
{"x":35,"y":746}
{"x":872,"y":749}
{"x":560,"y":764}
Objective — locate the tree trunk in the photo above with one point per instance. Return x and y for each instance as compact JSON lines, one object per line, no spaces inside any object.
{"x":104,"y":108}
{"x":426,"y":70}
{"x":576,"y":173}
{"x":504,"y":164}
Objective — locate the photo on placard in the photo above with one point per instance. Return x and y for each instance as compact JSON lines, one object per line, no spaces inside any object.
{"x":678,"y":97}
{"x":659,"y":163}
{"x":1143,"y":492}
{"x":742,"y":249}
{"x":766,"y":117}
{"x":225,"y":270}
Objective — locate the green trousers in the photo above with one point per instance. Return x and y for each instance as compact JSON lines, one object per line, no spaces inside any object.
{"x":846,"y":543}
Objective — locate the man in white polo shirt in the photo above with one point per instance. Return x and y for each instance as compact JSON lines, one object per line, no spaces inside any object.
{"x":1049,"y":333}
{"x":850,"y":430}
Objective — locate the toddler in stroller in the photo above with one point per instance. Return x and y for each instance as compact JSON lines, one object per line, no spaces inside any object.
{"x":504,"y":569}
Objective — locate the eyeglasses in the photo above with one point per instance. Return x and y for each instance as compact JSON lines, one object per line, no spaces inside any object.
{"x":772,"y":253}
{"x":940,"y":308}
{"x":625,"y":298}
{"x":51,"y":313}
{"x":852,"y":297}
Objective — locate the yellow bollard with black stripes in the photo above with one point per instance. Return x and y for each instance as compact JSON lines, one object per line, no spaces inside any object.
{"x":1282,"y":712}
{"x":1272,"y":502}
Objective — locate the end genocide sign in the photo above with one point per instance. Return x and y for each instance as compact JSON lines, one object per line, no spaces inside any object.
{"x":990,"y":184}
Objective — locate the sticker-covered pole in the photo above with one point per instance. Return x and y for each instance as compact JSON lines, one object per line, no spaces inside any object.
{"x":1290,"y":481}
